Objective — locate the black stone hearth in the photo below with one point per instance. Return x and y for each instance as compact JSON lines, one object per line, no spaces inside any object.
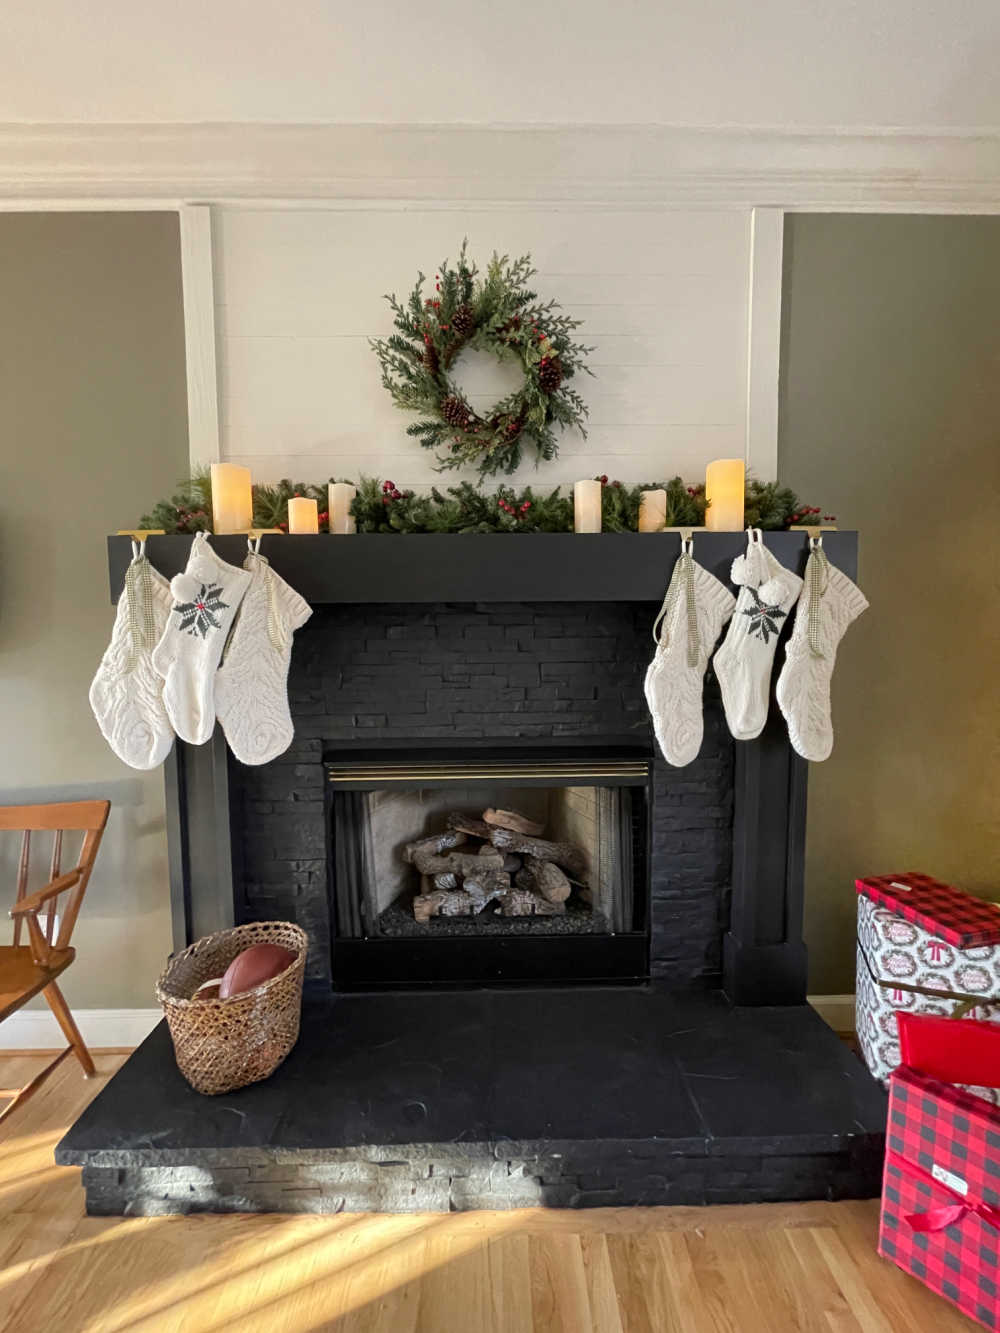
{"x":569,"y":1098}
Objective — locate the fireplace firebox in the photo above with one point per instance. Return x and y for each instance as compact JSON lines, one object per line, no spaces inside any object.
{"x":410,"y":906}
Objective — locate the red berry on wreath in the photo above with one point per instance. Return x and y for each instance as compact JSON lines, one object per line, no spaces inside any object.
{"x":603,"y":479}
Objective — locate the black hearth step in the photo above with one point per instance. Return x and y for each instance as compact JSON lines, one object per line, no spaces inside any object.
{"x":486,"y":1099}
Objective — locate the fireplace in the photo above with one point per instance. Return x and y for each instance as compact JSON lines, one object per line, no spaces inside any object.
{"x":648,"y":1044}
{"x":420,"y":894}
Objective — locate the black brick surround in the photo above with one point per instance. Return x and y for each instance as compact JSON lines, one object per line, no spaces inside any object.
{"x":472,"y":674}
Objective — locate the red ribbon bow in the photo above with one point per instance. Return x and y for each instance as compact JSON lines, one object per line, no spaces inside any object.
{"x":937,"y":1219}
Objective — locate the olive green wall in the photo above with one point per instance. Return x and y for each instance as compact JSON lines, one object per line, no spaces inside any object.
{"x":890,"y":418}
{"x":93,"y":427}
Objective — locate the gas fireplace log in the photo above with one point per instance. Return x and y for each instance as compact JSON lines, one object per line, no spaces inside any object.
{"x":550,"y":881}
{"x":487,"y":884}
{"x":447,"y":880}
{"x":439,"y":842}
{"x":522,"y":902}
{"x":563,"y":853}
{"x":513,"y":820}
{"x":442,"y":903}
{"x":458,"y":863}
{"x":469,"y":824}
{"x":512,"y":863}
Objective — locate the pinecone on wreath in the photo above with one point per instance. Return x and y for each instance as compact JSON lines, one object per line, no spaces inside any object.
{"x":455,"y":412}
{"x":549,"y":374}
{"x":431,"y":362}
{"x":463,"y":321}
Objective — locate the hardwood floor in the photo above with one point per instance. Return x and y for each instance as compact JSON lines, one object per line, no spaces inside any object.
{"x":762,"y":1269}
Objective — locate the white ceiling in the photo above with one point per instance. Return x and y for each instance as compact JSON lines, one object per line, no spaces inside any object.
{"x":788,"y":63}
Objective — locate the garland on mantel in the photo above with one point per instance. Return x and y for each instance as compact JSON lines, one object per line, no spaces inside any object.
{"x":381,"y":507}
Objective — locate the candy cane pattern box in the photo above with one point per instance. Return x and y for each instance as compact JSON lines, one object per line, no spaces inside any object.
{"x":923,"y":947}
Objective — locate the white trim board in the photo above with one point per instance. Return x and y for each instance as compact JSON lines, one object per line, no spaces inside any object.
{"x":198,"y":282}
{"x":837,"y":1011}
{"x":447,"y":165}
{"x":37,"y":1029}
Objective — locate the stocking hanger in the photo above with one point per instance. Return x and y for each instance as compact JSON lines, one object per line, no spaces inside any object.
{"x":813,"y":529}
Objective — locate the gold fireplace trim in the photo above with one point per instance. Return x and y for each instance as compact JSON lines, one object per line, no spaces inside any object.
{"x":430,"y":772}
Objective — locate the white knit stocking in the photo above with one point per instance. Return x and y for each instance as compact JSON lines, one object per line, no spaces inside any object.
{"x":206,"y":598}
{"x":127,"y":694}
{"x":743,"y":664}
{"x":694,"y":610}
{"x":251,"y":686}
{"x":829,"y":603}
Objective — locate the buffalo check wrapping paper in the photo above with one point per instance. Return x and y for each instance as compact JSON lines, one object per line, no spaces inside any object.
{"x":909,"y":967}
{"x":940,"y":909}
{"x":940,"y":1218}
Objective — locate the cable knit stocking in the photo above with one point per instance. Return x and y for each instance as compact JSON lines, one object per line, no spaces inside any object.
{"x":829,"y":603}
{"x":251,"y":686}
{"x":127,"y":694}
{"x":743,"y":664}
{"x":694,"y":611}
{"x":206,"y":598}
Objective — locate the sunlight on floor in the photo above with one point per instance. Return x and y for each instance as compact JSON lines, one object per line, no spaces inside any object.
{"x":763,"y":1269}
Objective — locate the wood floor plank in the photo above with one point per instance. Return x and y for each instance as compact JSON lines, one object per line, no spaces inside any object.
{"x":774,"y":1268}
{"x":560,"y":1300}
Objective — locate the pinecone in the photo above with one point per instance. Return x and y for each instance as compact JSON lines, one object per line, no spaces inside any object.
{"x":463,"y":321}
{"x":549,"y":374}
{"x":455,"y":412}
{"x":431,"y":358}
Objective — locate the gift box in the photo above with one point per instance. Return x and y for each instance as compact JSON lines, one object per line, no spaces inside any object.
{"x":940,"y":1217}
{"x":923,"y":947}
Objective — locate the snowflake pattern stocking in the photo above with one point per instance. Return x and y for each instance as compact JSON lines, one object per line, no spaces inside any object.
{"x":206,"y":598}
{"x":743,"y":664}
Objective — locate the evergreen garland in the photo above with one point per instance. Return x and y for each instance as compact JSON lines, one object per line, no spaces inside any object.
{"x":381,"y":507}
{"x":499,"y":314}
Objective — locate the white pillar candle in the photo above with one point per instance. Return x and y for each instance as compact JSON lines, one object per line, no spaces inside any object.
{"x":303,"y":514}
{"x":341,"y":493}
{"x":232,"y":498}
{"x":587,"y":506}
{"x":725,"y":486}
{"x":652,"y":511}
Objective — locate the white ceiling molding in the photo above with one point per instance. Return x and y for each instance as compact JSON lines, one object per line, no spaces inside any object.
{"x":593,"y":166}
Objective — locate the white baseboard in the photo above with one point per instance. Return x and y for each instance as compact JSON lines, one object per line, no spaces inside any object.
{"x":837,"y":1011}
{"x":37,"y":1030}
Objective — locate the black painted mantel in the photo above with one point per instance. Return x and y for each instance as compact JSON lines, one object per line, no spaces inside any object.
{"x":498,"y":567}
{"x":764,"y":956}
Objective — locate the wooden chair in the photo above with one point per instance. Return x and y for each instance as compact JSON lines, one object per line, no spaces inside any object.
{"x":26,"y":969}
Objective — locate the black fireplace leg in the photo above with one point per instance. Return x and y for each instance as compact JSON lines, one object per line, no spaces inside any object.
{"x":764,"y":955}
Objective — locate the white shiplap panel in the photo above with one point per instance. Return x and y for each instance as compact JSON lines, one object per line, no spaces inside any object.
{"x":662,"y":297}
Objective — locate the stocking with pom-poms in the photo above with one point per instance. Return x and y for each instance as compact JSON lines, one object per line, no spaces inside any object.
{"x":743,"y":664}
{"x":206,"y":598}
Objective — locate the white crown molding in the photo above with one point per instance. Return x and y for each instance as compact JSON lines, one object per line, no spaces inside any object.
{"x":37,"y":1029}
{"x":507,"y":167}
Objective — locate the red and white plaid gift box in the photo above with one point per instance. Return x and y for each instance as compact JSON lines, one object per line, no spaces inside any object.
{"x":923,"y":947}
{"x":940,"y":1216}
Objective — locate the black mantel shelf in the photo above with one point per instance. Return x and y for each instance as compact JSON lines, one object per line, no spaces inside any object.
{"x":500,"y":567}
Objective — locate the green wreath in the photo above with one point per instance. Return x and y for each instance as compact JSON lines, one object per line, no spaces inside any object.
{"x":498,"y":314}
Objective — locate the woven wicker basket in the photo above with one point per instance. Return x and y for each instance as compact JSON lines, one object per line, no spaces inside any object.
{"x":222,"y":1045}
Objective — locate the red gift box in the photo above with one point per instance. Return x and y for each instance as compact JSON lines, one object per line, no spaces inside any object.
{"x":940,"y":1217}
